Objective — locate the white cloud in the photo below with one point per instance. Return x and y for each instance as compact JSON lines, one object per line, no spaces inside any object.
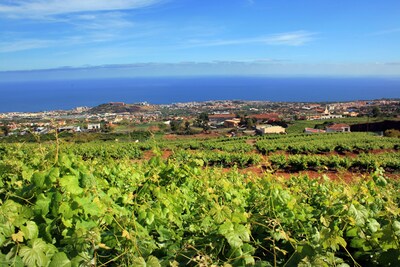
{"x":297,"y":38}
{"x":45,"y":8}
{"x":93,"y":21}
{"x":17,"y":45}
{"x":100,"y":21}
{"x":290,"y":38}
{"x":21,"y":45}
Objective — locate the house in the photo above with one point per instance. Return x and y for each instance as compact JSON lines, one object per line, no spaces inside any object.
{"x":231,"y":123}
{"x":352,"y":114}
{"x":269,"y":129}
{"x":216,"y":119}
{"x":267,"y":117}
{"x":312,"y":131}
{"x":338,"y":128}
{"x":94,"y":126}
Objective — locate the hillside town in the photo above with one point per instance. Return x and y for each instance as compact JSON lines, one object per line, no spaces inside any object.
{"x":258,"y":117}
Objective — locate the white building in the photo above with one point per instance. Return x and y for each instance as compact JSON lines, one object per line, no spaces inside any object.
{"x":330,"y":116}
{"x":94,"y":126}
{"x":269,"y":129}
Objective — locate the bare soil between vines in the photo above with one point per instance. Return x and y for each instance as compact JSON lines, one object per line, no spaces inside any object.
{"x":261,"y":170}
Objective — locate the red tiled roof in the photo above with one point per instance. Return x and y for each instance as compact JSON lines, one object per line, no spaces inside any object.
{"x":312,"y":130}
{"x":266,"y":116}
{"x":338,"y":126}
{"x":221,"y":116}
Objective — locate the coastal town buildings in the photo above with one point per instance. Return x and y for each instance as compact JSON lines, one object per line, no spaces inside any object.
{"x":230,"y":114}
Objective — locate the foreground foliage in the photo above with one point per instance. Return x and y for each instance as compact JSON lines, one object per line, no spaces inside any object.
{"x":65,"y":208}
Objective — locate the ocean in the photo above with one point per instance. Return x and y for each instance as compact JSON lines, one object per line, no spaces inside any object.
{"x":55,"y":95}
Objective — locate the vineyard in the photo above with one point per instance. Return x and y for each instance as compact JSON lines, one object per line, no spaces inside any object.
{"x":109,"y":203}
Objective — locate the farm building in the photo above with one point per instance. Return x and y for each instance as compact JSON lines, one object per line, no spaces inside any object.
{"x":231,"y":123}
{"x":218,"y":119}
{"x":269,"y":129}
{"x":338,"y":128}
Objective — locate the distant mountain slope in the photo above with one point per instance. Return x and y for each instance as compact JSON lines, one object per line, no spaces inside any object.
{"x":118,"y":108}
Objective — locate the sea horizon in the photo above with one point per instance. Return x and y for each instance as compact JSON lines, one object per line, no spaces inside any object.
{"x":35,"y":96}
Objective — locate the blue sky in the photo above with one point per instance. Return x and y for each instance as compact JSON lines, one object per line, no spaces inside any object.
{"x":93,"y":38}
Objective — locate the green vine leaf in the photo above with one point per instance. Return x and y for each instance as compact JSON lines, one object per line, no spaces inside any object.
{"x":53,"y":175}
{"x":60,"y":259}
{"x":37,"y":254}
{"x":373,"y":225}
{"x":71,"y":184}
{"x":30,"y":231}
{"x":38,"y":179}
{"x":42,"y":205}
{"x":139,"y":262}
{"x":151,"y":262}
{"x":358,"y":215}
{"x":235,"y":234}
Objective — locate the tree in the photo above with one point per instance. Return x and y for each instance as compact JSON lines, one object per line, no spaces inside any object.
{"x":249,"y":123}
{"x":176,"y":125}
{"x":5,"y":129}
{"x":280,"y":123}
{"x":376,"y":112}
{"x":203,"y":117}
{"x":109,"y":128}
{"x":392,"y":133}
{"x":162,"y":127}
{"x":323,"y":126}
{"x":187,"y":127}
{"x":202,"y":121}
